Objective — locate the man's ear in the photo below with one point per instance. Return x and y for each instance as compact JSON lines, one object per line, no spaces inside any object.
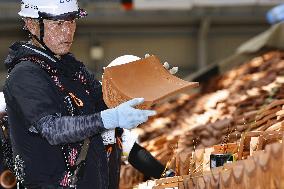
{"x":32,"y":25}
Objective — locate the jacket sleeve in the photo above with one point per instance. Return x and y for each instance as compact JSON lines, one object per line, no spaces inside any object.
{"x":68,"y":129}
{"x":143,"y":161}
{"x":59,"y":129}
{"x":31,"y":96}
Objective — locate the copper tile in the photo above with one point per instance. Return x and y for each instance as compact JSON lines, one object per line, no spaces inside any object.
{"x":145,"y":78}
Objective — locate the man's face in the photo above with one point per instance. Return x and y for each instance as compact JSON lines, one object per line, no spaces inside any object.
{"x":58,"y":35}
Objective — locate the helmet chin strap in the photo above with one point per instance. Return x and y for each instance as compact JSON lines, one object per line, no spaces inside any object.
{"x":40,"y":39}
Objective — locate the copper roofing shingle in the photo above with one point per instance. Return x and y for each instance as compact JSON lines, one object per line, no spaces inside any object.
{"x":258,"y":171}
{"x":145,"y":78}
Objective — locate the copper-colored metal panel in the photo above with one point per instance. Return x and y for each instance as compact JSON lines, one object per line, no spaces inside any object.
{"x":145,"y":78}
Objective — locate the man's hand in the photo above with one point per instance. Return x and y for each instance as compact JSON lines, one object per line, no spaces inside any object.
{"x":166,"y":65}
{"x":126,"y":115}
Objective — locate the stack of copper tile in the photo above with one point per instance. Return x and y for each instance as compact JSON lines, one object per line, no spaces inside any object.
{"x":257,"y":171}
{"x":247,"y":98}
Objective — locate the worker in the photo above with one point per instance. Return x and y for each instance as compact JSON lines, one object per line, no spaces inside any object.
{"x":55,"y":108}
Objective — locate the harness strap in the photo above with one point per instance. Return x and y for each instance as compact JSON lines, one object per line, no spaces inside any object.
{"x":80,"y":163}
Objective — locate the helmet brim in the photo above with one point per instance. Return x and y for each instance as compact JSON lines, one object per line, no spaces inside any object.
{"x":81,"y":13}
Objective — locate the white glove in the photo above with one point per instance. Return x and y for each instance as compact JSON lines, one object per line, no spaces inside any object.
{"x":126,"y":115}
{"x":128,"y":139}
{"x":166,"y":65}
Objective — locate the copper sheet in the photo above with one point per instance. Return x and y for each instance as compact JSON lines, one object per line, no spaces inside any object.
{"x":145,"y":78}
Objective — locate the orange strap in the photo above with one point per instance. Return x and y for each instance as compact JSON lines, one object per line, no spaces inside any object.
{"x":109,"y":150}
{"x":77,"y":101}
{"x":119,"y":142}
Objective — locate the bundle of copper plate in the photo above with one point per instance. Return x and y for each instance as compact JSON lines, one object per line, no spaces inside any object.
{"x":240,"y":102}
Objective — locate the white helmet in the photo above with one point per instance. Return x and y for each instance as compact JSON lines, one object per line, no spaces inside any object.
{"x":50,"y":8}
{"x":123,"y":60}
